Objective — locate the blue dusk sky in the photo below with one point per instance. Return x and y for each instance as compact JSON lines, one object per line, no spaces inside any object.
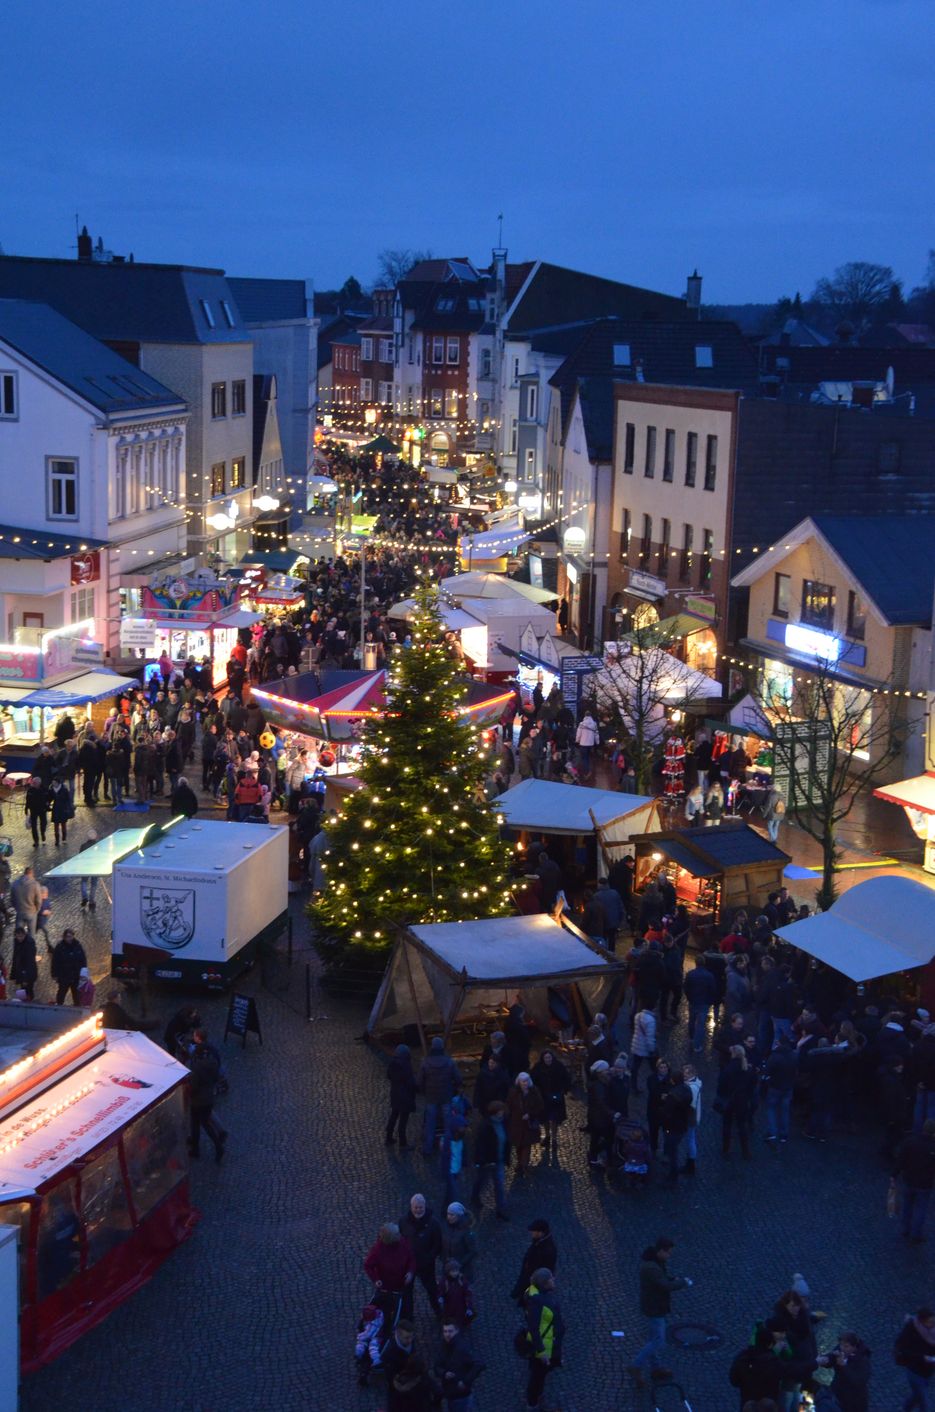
{"x":765,"y":144}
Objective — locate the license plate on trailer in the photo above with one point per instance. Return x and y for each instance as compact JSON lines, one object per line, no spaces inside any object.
{"x":168,"y":975}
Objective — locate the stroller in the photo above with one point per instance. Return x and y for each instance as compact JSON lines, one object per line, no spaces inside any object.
{"x":378,"y":1319}
{"x":631,"y":1153}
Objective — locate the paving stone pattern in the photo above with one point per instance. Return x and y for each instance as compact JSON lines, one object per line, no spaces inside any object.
{"x":258,"y":1310}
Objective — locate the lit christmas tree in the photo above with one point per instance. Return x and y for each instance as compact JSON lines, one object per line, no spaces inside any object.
{"x":417,"y":843}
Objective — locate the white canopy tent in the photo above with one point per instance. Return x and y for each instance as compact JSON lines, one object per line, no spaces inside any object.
{"x":878,"y":927}
{"x":476,"y":584}
{"x":440,"y":969}
{"x":658,"y":674}
{"x":543,"y":806}
{"x":493,"y":543}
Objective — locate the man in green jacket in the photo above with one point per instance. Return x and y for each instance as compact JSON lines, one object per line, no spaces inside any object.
{"x":546,"y":1329}
{"x":656,"y":1288}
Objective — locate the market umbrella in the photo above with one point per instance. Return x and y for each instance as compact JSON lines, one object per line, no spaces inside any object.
{"x":380,"y":445}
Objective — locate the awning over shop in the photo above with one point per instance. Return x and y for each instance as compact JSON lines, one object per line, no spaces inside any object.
{"x":833,"y":671}
{"x":78,"y":691}
{"x":240,"y":618}
{"x":669,"y":629}
{"x":548,"y":807}
{"x":878,"y":927}
{"x":705,"y":853}
{"x":917,"y":793}
{"x":677,"y":853}
{"x":278,"y":561}
{"x":440,"y":969}
{"x":11,"y":695}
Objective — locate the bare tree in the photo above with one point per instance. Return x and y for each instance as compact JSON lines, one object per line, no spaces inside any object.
{"x":394,"y":265}
{"x":639,"y":683}
{"x":857,"y":291}
{"x":832,"y":743}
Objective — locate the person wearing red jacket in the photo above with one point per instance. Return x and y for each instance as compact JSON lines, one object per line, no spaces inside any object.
{"x":390,"y":1261}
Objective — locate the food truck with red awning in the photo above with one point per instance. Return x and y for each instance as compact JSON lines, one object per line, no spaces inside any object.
{"x":93,"y":1167}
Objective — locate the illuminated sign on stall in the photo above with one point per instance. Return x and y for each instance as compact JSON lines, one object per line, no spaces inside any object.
{"x":812,"y":642}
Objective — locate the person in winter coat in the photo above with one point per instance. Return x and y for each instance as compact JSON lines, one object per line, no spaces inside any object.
{"x":517,"y":1042}
{"x":492,"y":1153}
{"x":671,"y":995}
{"x":676,"y":1119}
{"x":436,"y":1081}
{"x":914,"y":1351}
{"x":657,"y":1086}
{"x":459,"y":1239}
{"x":915,"y":1163}
{"x":492,"y":1084}
{"x":736,"y":1093}
{"x":656,"y":1289}
{"x":456,"y":1369}
{"x":173,"y":758}
{"x":61,"y":810}
{"x":389,"y":1262}
{"x":68,"y":960}
{"x":24,"y":969}
{"x":643,"y":1044}
{"x":601,"y":1114}
{"x":184,"y":800}
{"x":423,"y":1231}
{"x":545,"y":1329}
{"x":525,"y":1108}
{"x":552,"y":1079}
{"x":89,"y":765}
{"x":737,"y":996}
{"x":586,"y":738}
{"x":700,"y":989}
{"x":541,"y":1253}
{"x":204,"y":1071}
{"x":37,"y":809}
{"x":762,"y":1370}
{"x":780,"y":1070}
{"x":850,"y":1386}
{"x":402,"y":1081}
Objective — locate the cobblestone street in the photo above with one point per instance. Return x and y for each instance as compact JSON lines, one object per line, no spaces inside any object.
{"x":258,"y":1310}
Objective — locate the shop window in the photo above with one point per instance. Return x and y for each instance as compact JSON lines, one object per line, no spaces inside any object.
{"x":710,"y":464}
{"x":782,"y":594}
{"x":818,"y":604}
{"x":18,"y":1213}
{"x":154,"y":1147}
{"x":58,"y":1248}
{"x":649,"y":469}
{"x":856,"y":617}
{"x":668,"y":456}
{"x":104,"y":1208}
{"x":691,"y":457}
{"x":629,"y":448}
{"x":239,"y":398}
{"x":62,"y":489}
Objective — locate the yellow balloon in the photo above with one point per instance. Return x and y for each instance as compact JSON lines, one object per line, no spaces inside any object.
{"x":267,"y":740}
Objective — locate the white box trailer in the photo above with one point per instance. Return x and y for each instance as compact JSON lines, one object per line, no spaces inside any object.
{"x":194,"y":904}
{"x":191,"y":900}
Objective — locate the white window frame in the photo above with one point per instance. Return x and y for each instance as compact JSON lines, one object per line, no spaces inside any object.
{"x":52,"y":479}
{"x":438,"y":349}
{"x":219,"y":416}
{"x":386,"y":350}
{"x":514,"y":435}
{"x":515,"y":371}
{"x":366,"y":389}
{"x":532,"y":401}
{"x":486,"y":362}
{"x":437,"y":399}
{"x":453,"y":344}
{"x":451,"y":403}
{"x":239,"y":382}
{"x":82,"y":603}
{"x":9,"y":382}
{"x":385,"y":391}
{"x":366,"y":349}
{"x":529,"y":467}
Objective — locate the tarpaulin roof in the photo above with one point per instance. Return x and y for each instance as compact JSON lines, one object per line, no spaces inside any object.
{"x":917,"y":793}
{"x":565,"y":808}
{"x":476,"y":584}
{"x":78,"y":691}
{"x":487,"y":958}
{"x":453,"y":617}
{"x":329,"y":705}
{"x":129,"y":1076}
{"x":493,"y":543}
{"x":877,"y":928}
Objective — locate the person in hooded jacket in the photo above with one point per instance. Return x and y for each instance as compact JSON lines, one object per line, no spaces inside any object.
{"x":184,"y":800}
{"x":542,"y":1253}
{"x":436,"y":1080}
{"x":850,"y":1386}
{"x":402,"y":1081}
{"x":456,"y":1369}
{"x":459,"y":1239}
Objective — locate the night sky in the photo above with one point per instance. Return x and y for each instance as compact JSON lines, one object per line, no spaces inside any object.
{"x":764,"y":144}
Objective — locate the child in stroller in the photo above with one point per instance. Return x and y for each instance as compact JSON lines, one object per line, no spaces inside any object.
{"x":631,"y":1152}
{"x":377,"y":1321}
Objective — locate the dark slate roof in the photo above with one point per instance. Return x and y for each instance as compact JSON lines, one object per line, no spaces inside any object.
{"x":663,"y":352}
{"x":558,"y":295}
{"x":891,"y":556}
{"x":850,"y":363}
{"x":731,"y":845}
{"x":41,"y":544}
{"x":78,"y":361}
{"x":557,"y":339}
{"x":596,"y":396}
{"x":333,"y":329}
{"x":128,"y":302}
{"x":263,"y":301}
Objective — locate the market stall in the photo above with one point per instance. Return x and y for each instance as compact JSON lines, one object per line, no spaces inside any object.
{"x":93,"y":1168}
{"x":602,"y":820}
{"x":28,"y":716}
{"x":917,"y":797}
{"x":713,"y":870}
{"x":878,"y":928}
{"x":742,"y":752}
{"x":490,"y":629}
{"x":452,"y":974}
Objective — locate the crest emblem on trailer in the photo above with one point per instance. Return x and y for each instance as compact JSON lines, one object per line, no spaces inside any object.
{"x":167,"y":916}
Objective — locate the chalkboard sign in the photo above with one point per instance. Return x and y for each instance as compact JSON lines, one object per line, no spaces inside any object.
{"x":242,"y":1018}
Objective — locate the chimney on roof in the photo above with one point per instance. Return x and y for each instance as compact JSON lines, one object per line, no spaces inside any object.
{"x":693,"y":292}
{"x":84,"y":244}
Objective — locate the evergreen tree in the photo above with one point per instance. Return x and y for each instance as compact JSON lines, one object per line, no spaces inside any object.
{"x":417,"y":843}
